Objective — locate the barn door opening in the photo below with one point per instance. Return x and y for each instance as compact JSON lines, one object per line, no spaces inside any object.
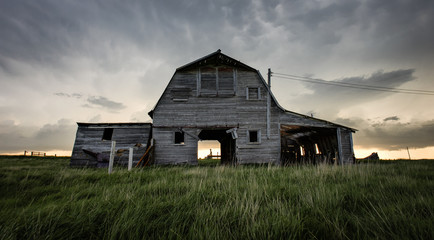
{"x":209,"y":152}
{"x":227,"y":143}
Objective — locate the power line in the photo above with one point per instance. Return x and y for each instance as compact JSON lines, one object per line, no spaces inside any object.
{"x":352,"y":85}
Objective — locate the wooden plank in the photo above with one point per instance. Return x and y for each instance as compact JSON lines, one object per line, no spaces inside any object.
{"x":112,"y":156}
{"x":130,"y":159}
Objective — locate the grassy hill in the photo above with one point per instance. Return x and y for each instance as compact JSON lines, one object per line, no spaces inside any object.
{"x":43,"y":198}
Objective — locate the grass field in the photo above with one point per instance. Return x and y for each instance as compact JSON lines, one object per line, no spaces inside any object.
{"x":42,"y":198}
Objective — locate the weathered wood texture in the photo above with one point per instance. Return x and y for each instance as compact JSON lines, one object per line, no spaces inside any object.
{"x":89,"y":137}
{"x":205,"y":111}
{"x":347,"y":148}
{"x":207,"y":102}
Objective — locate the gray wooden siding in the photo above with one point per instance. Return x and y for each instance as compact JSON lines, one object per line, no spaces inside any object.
{"x":203,"y":112}
{"x":167,"y":152}
{"x":90,"y":138}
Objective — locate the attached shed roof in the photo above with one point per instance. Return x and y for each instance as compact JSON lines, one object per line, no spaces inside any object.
{"x":113,"y":125}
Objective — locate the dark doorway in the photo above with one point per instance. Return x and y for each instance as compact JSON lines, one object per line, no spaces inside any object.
{"x":307,"y":145}
{"x":227,"y":144}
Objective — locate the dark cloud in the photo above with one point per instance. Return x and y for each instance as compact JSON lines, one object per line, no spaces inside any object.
{"x":394,"y":118}
{"x":396,"y":136}
{"x":390,"y":134}
{"x":99,"y":101}
{"x":15,"y":137}
{"x":329,"y":99}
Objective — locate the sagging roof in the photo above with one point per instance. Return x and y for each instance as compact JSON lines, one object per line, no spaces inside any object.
{"x":119,"y":124}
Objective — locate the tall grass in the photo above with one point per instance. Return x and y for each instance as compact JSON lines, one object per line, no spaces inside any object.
{"x":45,"y":199}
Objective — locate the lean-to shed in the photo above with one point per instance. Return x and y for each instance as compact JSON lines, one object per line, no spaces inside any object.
{"x":93,"y":143}
{"x":219,"y":98}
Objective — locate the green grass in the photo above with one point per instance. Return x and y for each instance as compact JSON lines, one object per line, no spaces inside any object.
{"x":42,"y":198}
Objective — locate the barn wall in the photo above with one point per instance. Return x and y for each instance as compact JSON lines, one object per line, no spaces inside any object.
{"x":168,"y":152}
{"x":89,"y":137}
{"x":207,"y":112}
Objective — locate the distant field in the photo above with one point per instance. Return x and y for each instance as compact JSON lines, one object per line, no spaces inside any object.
{"x":42,"y":198}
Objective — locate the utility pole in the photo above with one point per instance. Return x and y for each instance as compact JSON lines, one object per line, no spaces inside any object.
{"x":269,"y":103}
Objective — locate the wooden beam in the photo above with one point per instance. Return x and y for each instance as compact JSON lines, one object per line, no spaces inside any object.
{"x":112,"y":157}
{"x":130,"y":159}
{"x":338,"y":133}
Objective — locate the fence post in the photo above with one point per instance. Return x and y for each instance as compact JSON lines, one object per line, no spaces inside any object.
{"x":130,"y":159}
{"x":112,"y":157}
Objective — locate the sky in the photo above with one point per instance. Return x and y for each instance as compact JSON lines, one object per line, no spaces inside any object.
{"x":63,"y":62}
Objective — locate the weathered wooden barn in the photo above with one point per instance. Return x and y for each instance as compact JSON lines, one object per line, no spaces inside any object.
{"x":219,"y":98}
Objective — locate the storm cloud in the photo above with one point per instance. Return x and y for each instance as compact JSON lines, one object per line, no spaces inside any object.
{"x":105,"y":103}
{"x":396,"y":136}
{"x":77,"y":60}
{"x":49,"y":137}
{"x":330,"y":99}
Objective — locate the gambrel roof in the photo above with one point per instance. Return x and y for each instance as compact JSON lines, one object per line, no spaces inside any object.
{"x":218,"y":58}
{"x":215,"y":58}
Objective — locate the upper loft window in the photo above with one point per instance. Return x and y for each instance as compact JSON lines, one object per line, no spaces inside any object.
{"x":253,"y":93}
{"x":107,"y":134}
{"x":216,"y":81}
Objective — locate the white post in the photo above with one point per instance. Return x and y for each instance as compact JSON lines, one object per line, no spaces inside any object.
{"x":112,"y":157}
{"x":130,"y":159}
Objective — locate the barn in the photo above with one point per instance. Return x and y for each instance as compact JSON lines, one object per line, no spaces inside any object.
{"x":219,"y":98}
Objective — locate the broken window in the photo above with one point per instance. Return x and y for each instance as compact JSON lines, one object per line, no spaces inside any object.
{"x":253,"y":93}
{"x":108,"y":133}
{"x":179,"y":137}
{"x":254,"y":136}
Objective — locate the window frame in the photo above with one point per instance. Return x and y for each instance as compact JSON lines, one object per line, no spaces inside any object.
{"x":107,"y":134}
{"x":258,"y":136}
{"x":259,"y":96}
{"x":175,"y":138}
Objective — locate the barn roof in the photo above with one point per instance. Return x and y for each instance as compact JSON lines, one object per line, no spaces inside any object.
{"x":215,"y":58}
{"x":119,"y":124}
{"x":218,"y":58}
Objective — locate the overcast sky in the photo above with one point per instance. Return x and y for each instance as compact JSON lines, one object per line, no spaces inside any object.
{"x":63,"y":62}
